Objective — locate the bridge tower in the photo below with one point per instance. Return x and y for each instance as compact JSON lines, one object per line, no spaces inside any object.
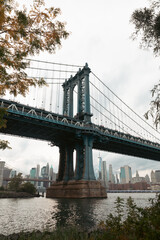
{"x":81,"y":183}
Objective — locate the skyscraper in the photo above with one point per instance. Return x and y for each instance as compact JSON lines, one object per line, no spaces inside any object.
{"x":125,"y":174}
{"x":33,"y":173}
{"x":43,"y":171}
{"x":47,"y":170}
{"x":111,"y":176}
{"x":153,"y":177}
{"x":157,"y":175}
{"x":1,"y":172}
{"x":147,"y":178}
{"x":104,"y":174}
{"x":100,"y":168}
{"x":117,"y":179}
{"x":37,"y":171}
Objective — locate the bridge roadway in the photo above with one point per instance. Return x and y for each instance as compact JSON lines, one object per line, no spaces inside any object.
{"x":29,"y":122}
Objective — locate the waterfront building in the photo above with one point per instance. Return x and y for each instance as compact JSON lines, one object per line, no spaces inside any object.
{"x":153,"y":177}
{"x":2,"y":163}
{"x":125,"y":174}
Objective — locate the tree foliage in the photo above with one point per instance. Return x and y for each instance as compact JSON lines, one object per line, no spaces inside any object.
{"x":147,"y":26}
{"x":16,"y":185}
{"x":25,"y":33}
{"x":15,"y":182}
{"x":28,"y":187}
{"x":134,"y":222}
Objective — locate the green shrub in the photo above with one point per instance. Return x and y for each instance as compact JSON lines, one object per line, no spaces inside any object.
{"x":137,"y":223}
{"x":28,"y":187}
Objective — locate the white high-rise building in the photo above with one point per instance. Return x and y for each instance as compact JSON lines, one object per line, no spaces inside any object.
{"x":117,"y":179}
{"x":111,"y":175}
{"x":100,"y":168}
{"x":37,"y":171}
{"x":153,"y":177}
{"x":104,"y":174}
{"x":1,"y":172}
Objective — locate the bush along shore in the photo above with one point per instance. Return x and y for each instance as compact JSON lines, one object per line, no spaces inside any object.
{"x":18,"y":189}
{"x":12,"y":194}
{"x":133,"y":223}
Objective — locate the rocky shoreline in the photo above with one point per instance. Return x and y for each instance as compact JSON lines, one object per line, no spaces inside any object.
{"x":10,"y":194}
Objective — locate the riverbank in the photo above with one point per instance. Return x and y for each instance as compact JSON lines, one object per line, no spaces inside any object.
{"x":60,"y":234}
{"x":11,"y":194}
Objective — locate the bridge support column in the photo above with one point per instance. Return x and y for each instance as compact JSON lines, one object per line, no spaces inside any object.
{"x":61,"y":169}
{"x":79,"y":162}
{"x":68,"y":173}
{"x":88,"y":172}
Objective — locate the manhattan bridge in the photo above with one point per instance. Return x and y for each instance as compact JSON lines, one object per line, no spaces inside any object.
{"x":76,"y":111}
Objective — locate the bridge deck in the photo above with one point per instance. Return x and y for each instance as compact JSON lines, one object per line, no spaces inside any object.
{"x":39,"y":124}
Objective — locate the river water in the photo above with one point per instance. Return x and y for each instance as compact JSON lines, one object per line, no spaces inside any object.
{"x":40,"y":213}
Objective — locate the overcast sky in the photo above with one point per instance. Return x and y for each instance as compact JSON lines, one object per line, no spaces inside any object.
{"x":100,"y":35}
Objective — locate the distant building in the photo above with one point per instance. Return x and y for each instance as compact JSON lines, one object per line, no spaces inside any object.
{"x":137,"y":178}
{"x":2,"y":163}
{"x":13,"y":173}
{"x":33,"y":173}
{"x":111,"y":175}
{"x":37,"y":171}
{"x":104,"y":174}
{"x":157,"y":176}
{"x":147,"y":179}
{"x":6,"y":174}
{"x":125,"y":174}
{"x":47,"y":169}
{"x":153,"y":177}
{"x":100,"y":169}
{"x":117,"y":179}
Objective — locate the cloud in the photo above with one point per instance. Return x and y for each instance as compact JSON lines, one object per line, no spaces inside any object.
{"x":100,"y":35}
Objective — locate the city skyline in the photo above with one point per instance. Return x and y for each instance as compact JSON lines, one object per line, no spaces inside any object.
{"x":105,"y":175}
{"x":114,"y":57}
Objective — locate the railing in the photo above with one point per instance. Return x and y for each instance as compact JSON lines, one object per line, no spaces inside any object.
{"x":40,"y":114}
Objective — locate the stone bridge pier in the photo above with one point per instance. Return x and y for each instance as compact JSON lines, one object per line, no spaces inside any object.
{"x":80,"y":183}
